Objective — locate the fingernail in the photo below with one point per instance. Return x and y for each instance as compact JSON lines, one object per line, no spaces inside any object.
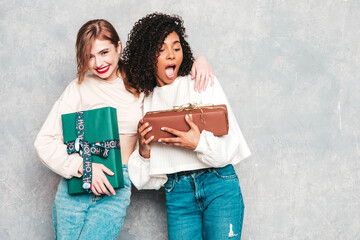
{"x":152,"y":137}
{"x":186,"y":116}
{"x":146,"y":124}
{"x":162,"y":129}
{"x":150,"y":128}
{"x":159,"y":140}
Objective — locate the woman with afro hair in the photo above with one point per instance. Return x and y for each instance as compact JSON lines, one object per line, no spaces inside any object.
{"x":203,"y":196}
{"x":101,"y":82}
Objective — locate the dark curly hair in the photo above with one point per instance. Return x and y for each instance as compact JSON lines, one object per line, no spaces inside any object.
{"x":144,"y":43}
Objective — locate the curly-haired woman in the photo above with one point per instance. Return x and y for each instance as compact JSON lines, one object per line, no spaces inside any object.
{"x":203,"y":196}
{"x":98,"y":215}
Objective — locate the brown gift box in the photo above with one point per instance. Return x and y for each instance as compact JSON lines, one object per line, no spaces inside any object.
{"x":210,"y":118}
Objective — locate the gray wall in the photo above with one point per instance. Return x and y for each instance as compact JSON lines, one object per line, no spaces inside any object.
{"x":291,"y":72}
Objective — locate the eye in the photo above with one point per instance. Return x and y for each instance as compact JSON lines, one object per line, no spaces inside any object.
{"x":161,"y":50}
{"x":91,"y":56}
{"x":104,"y":52}
{"x":177,"y":49}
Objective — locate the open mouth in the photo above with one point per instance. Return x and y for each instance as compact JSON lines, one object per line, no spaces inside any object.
{"x":170,"y":70}
{"x":103,"y":69}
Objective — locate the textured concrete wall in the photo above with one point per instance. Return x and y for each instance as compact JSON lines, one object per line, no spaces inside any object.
{"x":291,"y":70}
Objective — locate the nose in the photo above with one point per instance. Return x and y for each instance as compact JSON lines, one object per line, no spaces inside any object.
{"x":98,"y":61}
{"x":171,"y":55}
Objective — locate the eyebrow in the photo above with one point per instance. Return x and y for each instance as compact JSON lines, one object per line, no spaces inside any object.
{"x":102,"y":50}
{"x":173,"y":43}
{"x":105,"y":49}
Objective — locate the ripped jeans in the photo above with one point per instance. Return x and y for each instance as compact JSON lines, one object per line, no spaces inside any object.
{"x":89,"y":216}
{"x":207,"y":205}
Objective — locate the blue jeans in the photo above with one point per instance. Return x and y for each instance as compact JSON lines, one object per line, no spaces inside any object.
{"x":204,"y":205}
{"x":89,"y":216}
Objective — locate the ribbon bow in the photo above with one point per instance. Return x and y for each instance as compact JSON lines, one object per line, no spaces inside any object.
{"x":184,"y":107}
{"x":190,"y":107}
{"x":77,"y":145}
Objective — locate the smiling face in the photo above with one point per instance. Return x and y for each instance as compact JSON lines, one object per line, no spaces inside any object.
{"x":104,"y":58}
{"x":169,"y":60}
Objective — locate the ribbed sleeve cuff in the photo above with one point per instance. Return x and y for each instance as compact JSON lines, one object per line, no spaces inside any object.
{"x":144,"y":160}
{"x":201,"y":147}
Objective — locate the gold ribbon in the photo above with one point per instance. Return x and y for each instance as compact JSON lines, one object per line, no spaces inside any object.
{"x":189,"y":107}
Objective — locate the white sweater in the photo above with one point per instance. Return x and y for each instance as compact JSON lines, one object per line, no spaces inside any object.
{"x":90,"y":94}
{"x":211,"y":151}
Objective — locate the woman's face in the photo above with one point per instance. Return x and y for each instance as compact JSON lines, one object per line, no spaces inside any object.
{"x":169,"y":60}
{"x":104,"y":58}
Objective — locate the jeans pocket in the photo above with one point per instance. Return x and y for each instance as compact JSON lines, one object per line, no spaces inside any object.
{"x":226,"y":173}
{"x":169,"y":185}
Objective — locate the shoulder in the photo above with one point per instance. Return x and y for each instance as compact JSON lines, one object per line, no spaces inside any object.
{"x":71,"y":90}
{"x":89,"y":81}
{"x":73,"y":85}
{"x":186,"y":80}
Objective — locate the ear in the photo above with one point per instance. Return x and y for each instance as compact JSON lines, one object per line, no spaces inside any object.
{"x":119,"y":48}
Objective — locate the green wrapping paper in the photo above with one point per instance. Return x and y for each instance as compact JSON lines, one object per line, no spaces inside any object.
{"x":100,"y":125}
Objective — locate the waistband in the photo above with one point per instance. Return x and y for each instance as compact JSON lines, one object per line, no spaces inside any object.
{"x":182,"y":174}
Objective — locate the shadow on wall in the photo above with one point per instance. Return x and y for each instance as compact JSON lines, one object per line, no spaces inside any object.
{"x":146,"y":216}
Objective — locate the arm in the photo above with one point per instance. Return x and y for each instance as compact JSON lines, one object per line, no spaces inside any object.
{"x":202,"y":73}
{"x":139,"y":172}
{"x":52,"y":151}
{"x":139,"y":162}
{"x":49,"y":141}
{"x":211,"y":150}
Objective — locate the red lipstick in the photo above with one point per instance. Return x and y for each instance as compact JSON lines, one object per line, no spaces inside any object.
{"x":103,"y":69}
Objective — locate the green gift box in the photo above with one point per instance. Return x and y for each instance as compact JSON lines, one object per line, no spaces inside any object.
{"x":100,"y":126}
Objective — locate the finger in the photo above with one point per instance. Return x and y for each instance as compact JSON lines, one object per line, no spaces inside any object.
{"x":206,"y":80}
{"x":197,"y":82}
{"x":173,"y":131}
{"x":142,"y":127}
{"x":94,"y":190}
{"x":170,"y":140}
{"x":190,"y":122}
{"x":106,"y":170}
{"x":174,"y":144}
{"x":201,"y":82}
{"x":149,"y":140}
{"x":146,"y":130}
{"x":141,"y":122}
{"x":193,"y":72}
{"x":104,"y":189}
{"x":108,"y":186}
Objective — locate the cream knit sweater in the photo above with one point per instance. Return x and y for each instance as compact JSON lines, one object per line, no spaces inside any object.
{"x":211,"y":151}
{"x":90,"y":94}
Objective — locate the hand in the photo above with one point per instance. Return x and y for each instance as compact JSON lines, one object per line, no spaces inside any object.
{"x":80,"y":170}
{"x":202,"y":73}
{"x":188,"y":140}
{"x":144,"y":145}
{"x":100,"y":184}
